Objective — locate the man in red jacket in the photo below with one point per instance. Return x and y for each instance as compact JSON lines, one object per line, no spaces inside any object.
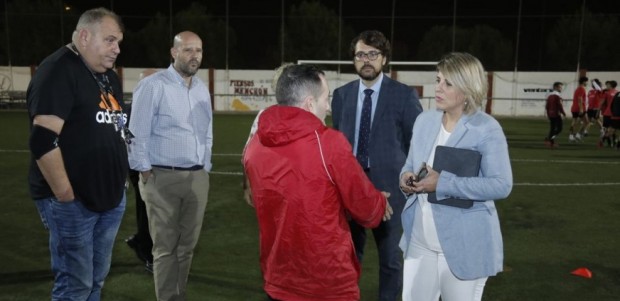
{"x":305,"y":184}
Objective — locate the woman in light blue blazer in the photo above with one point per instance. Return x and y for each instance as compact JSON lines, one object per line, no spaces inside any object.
{"x":450,"y":251}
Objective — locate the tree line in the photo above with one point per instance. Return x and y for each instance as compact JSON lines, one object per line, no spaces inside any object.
{"x":32,"y":29}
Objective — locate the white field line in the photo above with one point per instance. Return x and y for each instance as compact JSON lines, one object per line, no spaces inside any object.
{"x":232,"y":173}
{"x":226,"y":173}
{"x":26,"y":151}
{"x":564,"y":161}
{"x":566,"y":184}
{"x":513,"y":160}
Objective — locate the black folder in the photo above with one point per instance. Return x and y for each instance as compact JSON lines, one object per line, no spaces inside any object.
{"x":459,"y":161}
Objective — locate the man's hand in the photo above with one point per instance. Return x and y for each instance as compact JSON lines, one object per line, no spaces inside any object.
{"x":247,"y":192}
{"x":145,"y":176}
{"x":388,"y":209}
{"x":66,"y":196}
{"x":247,"y":195}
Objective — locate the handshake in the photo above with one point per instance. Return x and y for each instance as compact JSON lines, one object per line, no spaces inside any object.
{"x":388,"y":209}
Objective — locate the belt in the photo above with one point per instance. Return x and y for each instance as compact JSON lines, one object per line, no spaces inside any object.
{"x":191,"y":168}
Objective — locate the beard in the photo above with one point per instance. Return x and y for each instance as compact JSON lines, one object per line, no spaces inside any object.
{"x":187,"y":70}
{"x":368,"y":72}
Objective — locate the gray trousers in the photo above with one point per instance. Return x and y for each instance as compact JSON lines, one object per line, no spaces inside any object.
{"x":175,"y":204}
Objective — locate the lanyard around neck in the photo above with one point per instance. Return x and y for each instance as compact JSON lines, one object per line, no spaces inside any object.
{"x":104,"y":83}
{"x":105,"y":87}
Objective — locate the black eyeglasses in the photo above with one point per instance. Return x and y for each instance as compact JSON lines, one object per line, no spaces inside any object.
{"x":371,"y":55}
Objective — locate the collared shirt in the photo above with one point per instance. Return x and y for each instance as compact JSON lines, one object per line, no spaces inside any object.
{"x":172,"y":123}
{"x":360,"y":102}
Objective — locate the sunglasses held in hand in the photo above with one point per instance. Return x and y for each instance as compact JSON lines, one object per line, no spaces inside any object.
{"x":421,"y":175}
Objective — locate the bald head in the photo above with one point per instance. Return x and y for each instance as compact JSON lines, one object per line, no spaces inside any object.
{"x":187,"y":53}
{"x":184,"y":36}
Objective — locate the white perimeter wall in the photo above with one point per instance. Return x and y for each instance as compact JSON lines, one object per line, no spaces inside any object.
{"x":514,"y":94}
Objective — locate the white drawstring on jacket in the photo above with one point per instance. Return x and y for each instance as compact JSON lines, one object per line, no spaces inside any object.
{"x":323,"y":158}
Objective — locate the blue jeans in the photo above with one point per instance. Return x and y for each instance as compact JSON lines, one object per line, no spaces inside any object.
{"x":80,"y":244}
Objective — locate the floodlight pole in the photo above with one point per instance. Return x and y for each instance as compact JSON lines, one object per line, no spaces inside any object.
{"x":62,"y":16}
{"x":392,"y":29}
{"x":8,"y":36}
{"x":518,"y":35}
{"x":8,"y":43}
{"x":226,"y":47}
{"x":454,"y":27}
{"x":339,"y":35}
{"x":516,"y":73}
{"x":583,"y":14}
{"x":170,"y":11}
{"x":282,"y":32}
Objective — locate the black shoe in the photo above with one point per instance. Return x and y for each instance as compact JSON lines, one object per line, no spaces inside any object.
{"x":135,"y":245}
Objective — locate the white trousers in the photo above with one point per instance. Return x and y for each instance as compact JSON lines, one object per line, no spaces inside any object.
{"x":426,"y":276}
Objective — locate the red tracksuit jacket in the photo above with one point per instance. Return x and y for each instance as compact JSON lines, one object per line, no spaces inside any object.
{"x":303,"y":190}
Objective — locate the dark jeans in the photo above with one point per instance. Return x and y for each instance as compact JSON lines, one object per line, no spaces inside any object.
{"x":142,"y":236}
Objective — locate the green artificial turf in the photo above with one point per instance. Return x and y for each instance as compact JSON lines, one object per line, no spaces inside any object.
{"x":562,"y":214}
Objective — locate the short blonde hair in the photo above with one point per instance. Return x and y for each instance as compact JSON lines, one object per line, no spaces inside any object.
{"x":466,"y":73}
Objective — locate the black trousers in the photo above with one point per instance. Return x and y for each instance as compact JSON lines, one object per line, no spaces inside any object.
{"x":142,"y":236}
{"x":555,"y":127}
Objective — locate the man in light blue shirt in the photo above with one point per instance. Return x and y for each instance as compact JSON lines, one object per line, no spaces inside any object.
{"x":172,"y":121}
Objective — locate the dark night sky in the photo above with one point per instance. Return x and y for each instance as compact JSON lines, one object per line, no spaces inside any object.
{"x":256,"y":21}
{"x":364,"y":12}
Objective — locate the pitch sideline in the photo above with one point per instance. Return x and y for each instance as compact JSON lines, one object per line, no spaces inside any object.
{"x":233,"y":173}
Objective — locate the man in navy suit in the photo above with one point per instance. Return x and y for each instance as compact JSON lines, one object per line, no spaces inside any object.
{"x":376,"y":114}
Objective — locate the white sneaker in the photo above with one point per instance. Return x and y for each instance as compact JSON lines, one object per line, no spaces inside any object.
{"x":571,"y":138}
{"x":578,"y":137}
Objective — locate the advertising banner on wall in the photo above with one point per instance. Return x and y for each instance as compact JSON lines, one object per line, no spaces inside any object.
{"x":513,"y":94}
{"x":243,"y":90}
{"x":252,"y":90}
{"x":524,"y":93}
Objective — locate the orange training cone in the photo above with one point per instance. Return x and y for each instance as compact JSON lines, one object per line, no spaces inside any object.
{"x":582,"y":272}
